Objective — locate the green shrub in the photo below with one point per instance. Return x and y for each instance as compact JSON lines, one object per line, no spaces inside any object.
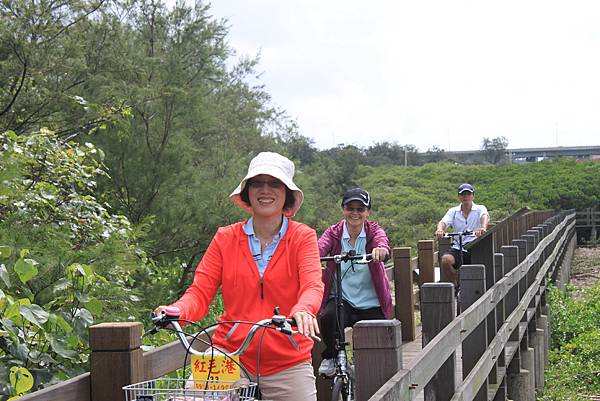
{"x":574,"y":362}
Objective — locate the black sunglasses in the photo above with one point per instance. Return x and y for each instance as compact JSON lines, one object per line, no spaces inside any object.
{"x":360,"y":209}
{"x":256,"y":184}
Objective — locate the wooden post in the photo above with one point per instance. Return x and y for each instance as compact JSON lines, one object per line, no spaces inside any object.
{"x":443,"y":245}
{"x":531,"y":245}
{"x":116,"y":359}
{"x":498,"y":274}
{"x":500,"y":271}
{"x":437,"y":311}
{"x":377,"y":354}
{"x":425,"y":261}
{"x":323,"y":384}
{"x":403,"y":294}
{"x":482,"y":253}
{"x":472,"y":287}
{"x":511,"y":300}
{"x":522,"y":254}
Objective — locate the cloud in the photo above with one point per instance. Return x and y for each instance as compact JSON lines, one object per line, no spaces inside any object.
{"x":428,"y":73}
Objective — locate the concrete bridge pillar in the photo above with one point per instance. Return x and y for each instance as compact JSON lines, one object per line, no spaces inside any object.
{"x":544,"y":324}
{"x":528,"y":364}
{"x":538,"y":343}
{"x":518,"y":383}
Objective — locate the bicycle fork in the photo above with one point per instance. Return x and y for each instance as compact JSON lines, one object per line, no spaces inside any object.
{"x":342,"y":361}
{"x":342,"y":385}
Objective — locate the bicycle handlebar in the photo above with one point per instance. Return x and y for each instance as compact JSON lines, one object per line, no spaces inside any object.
{"x":349,"y":256}
{"x":170,"y":317}
{"x":459,"y":234}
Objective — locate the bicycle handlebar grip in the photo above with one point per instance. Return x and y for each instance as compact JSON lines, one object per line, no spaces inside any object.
{"x":170,"y":313}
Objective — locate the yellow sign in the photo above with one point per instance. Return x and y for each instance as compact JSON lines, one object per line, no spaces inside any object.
{"x":217,"y":371}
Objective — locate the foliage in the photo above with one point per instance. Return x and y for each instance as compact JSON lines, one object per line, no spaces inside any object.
{"x":574,"y":360}
{"x":494,"y":149}
{"x":409,"y":201}
{"x":58,"y":243}
{"x":386,"y":153}
{"x":194,"y":127}
{"x":43,"y":67}
{"x":573,"y":317}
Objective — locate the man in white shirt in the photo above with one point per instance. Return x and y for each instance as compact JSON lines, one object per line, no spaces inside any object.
{"x":468,"y":216}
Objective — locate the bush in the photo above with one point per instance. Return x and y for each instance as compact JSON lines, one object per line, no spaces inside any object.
{"x":65,"y":260}
{"x":574,"y":362}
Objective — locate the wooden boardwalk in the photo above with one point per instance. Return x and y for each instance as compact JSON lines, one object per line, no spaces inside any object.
{"x":411,"y":349}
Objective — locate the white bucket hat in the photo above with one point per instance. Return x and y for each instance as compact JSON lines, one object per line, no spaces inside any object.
{"x":277,"y":166}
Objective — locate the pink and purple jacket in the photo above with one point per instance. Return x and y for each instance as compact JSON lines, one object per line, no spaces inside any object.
{"x":330,"y":244}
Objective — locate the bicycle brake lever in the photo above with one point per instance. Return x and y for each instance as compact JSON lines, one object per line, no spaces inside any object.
{"x":151,"y":332}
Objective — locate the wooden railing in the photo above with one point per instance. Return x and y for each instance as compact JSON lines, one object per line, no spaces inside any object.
{"x":588,"y":218}
{"x":503,"y":330}
{"x":117,"y":358}
{"x":587,"y":224}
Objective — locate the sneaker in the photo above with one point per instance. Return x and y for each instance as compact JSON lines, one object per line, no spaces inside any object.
{"x":327,"y":367}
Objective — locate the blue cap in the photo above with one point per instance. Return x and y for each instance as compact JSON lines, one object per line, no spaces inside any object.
{"x":465,"y":188}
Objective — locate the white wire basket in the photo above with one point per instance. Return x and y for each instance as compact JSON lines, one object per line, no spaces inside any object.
{"x":166,"y":389}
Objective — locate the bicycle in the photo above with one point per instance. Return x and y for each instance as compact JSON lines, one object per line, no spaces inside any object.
{"x":342,"y":386}
{"x":460,"y":235}
{"x":210,"y":389}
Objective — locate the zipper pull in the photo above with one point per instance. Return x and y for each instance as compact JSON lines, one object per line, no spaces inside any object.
{"x":262,"y":294}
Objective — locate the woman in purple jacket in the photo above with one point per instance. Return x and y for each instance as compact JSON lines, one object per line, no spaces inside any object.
{"x":365,"y":291}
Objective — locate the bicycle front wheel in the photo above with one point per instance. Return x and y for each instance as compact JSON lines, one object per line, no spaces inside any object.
{"x":339,"y":391}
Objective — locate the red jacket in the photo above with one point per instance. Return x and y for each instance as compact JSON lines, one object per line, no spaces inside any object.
{"x":291,"y":281}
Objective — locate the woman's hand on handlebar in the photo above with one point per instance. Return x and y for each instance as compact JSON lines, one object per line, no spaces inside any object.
{"x":307,"y":324}
{"x":160,"y":310}
{"x":379,"y":254}
{"x":480,"y":231}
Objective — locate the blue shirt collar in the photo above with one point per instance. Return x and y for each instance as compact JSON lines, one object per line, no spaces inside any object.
{"x":346,"y":235}
{"x":249,"y":228}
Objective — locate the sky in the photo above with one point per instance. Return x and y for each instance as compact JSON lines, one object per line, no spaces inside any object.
{"x":427,"y":73}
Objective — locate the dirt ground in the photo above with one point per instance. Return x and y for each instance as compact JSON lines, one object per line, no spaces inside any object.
{"x":585,"y":268}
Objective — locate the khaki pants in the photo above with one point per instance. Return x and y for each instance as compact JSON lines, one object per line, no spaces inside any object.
{"x":293,"y":384}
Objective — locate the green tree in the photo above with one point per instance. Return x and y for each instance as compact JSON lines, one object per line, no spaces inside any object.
{"x":195,"y":125}
{"x":391,"y":153}
{"x":434,"y":154}
{"x":43,"y":67}
{"x":494,"y":149}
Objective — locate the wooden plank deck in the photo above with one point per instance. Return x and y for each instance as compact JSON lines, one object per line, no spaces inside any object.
{"x":411,"y":349}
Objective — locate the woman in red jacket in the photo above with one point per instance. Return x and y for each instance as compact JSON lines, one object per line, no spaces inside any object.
{"x":266,"y":261}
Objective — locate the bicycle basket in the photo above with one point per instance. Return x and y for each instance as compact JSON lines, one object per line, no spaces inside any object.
{"x":166,"y":389}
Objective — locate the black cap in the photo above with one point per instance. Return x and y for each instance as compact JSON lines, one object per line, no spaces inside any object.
{"x":465,"y":188}
{"x":357,"y":194}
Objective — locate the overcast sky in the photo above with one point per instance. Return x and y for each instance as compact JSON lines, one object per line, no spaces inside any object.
{"x":427,"y":73}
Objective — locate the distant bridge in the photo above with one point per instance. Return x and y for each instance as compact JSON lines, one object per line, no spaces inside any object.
{"x":579,"y":152}
{"x":533,"y":154}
